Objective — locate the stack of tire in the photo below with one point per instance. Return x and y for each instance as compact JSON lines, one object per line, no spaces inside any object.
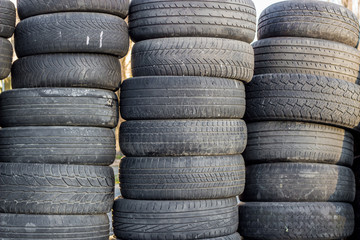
{"x":184,"y":133}
{"x":57,"y":136}
{"x":302,"y":105}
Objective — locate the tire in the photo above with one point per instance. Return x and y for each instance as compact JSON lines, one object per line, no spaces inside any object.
{"x":67,"y":70}
{"x":55,"y":189}
{"x":299,"y":182}
{"x":59,"y":107}
{"x":193,"y":56}
{"x":182,"y":98}
{"x":299,"y":97}
{"x":72,"y":33}
{"x":182,"y":137}
{"x":312,"y":19}
{"x":298,"y":142}
{"x":220,"y":19}
{"x":58,"y":145}
{"x":7,"y":18}
{"x":273,"y":221}
{"x":199,"y":219}
{"x":6,"y":50}
{"x":235,"y":236}
{"x":36,"y":7}
{"x":307,"y":56}
{"x":35,"y":227}
{"x":182,"y":178}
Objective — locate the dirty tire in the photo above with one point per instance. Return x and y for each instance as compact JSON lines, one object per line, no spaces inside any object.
{"x":72,"y":33}
{"x":193,"y":56}
{"x":300,"y":97}
{"x":182,"y":137}
{"x":67,"y":70}
{"x":299,"y":182}
{"x":312,"y":19}
{"x":197,"y":219}
{"x":55,"y":189}
{"x":280,"y":141}
{"x":36,"y":7}
{"x":273,"y":221}
{"x":6,"y":50}
{"x":182,"y":178}
{"x":235,"y":236}
{"x":219,"y":19}
{"x":58,"y":145}
{"x":181,"y":98}
{"x":16,"y":226}
{"x":307,"y":56}
{"x":58,"y":107}
{"x":7,"y":18}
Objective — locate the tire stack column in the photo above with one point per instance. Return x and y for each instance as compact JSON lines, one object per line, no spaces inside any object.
{"x":184,"y":135}
{"x":302,"y":104}
{"x":57,"y":139}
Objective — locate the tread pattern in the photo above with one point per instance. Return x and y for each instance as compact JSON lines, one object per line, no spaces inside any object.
{"x":193,"y":56}
{"x":55,"y":189}
{"x":182,"y":137}
{"x":298,"y":142}
{"x":67,"y":70}
{"x":181,"y":98}
{"x":232,"y":19}
{"x":273,"y":221}
{"x":299,"y":97}
{"x":182,"y":178}
{"x":199,"y":219}
{"x":6,"y":55}
{"x":307,"y":56}
{"x":313,"y":19}
{"x":7,"y":18}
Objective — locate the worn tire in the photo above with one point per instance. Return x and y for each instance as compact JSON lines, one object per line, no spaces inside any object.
{"x":58,"y":145}
{"x":59,"y":107}
{"x":36,"y":7}
{"x":231,"y":19}
{"x":181,"y":98}
{"x":182,"y":137}
{"x":55,"y":189}
{"x":78,"y":32}
{"x":235,"y":236}
{"x":182,"y":178}
{"x":67,"y":70}
{"x":193,"y":56}
{"x":273,"y":221}
{"x":299,"y":97}
{"x":7,"y":18}
{"x":307,"y":56}
{"x":299,"y":182}
{"x":35,"y":227}
{"x":198,"y":219}
{"x":6,"y":51}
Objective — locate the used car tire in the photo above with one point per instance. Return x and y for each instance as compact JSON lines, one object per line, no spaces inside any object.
{"x":7,"y":18}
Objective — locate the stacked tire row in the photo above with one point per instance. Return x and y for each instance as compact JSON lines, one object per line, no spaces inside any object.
{"x":184,"y":136}
{"x":302,"y":104}
{"x":57,"y":136}
{"x":7,"y":27}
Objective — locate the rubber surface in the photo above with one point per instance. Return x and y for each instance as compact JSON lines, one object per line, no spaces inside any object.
{"x":181,"y":98}
{"x":182,"y":178}
{"x":193,"y":56}
{"x":182,"y":137}
{"x":7,"y":18}
{"x":6,"y":55}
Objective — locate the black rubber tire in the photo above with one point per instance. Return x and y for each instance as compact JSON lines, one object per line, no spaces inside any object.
{"x":35,"y":227}
{"x":274,"y":221}
{"x":235,"y":236}
{"x":31,"y":8}
{"x":59,"y":107}
{"x":231,"y":19}
{"x":299,"y":182}
{"x":67,"y":70}
{"x":7,"y":18}
{"x":58,"y":145}
{"x":182,"y":178}
{"x":193,"y":56}
{"x":298,"y":142}
{"x":307,"y":56}
{"x":78,"y":32}
{"x":55,"y":189}
{"x":6,"y":56}
{"x":182,"y":137}
{"x":197,"y":219}
{"x":299,"y":97}
{"x":312,"y":19}
{"x":181,"y":98}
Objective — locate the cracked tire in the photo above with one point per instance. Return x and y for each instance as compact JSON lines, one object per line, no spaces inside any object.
{"x":6,"y":50}
{"x":7,"y":18}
